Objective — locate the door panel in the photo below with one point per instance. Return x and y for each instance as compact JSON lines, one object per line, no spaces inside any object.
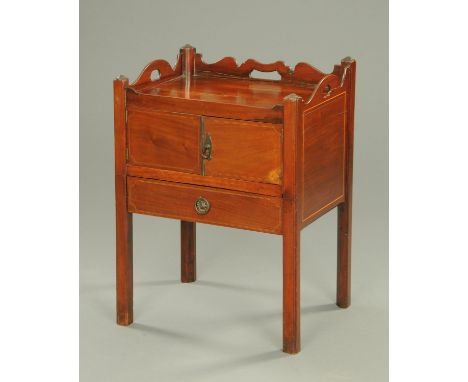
{"x":164,"y":140}
{"x":244,"y":150}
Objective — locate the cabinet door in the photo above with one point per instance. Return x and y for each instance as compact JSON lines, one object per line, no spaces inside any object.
{"x":164,"y":140}
{"x":243,"y":150}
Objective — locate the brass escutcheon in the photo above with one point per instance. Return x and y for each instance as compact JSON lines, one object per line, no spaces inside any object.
{"x":207,"y":147}
{"x":202,"y":206}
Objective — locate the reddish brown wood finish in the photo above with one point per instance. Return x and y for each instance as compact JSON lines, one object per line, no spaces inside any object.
{"x":282,"y":156}
{"x":210,"y":106}
{"x":324,"y":160}
{"x":124,"y":237}
{"x":244,"y":150}
{"x":343,"y":295}
{"x":227,"y":90}
{"x":228,"y":208}
{"x":223,"y":96}
{"x":165,"y":70}
{"x":217,"y":182}
{"x":164,"y":140}
{"x":188,"y":62}
{"x":292,"y":200}
{"x":328,"y":87}
{"x":228,"y":65}
{"x":188,"y":248}
{"x":302,"y":72}
{"x":171,"y":141}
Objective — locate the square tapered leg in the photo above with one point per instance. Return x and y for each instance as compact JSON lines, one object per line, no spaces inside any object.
{"x":124,"y":267}
{"x":343,"y":293}
{"x":188,"y":251}
{"x":291,"y":290}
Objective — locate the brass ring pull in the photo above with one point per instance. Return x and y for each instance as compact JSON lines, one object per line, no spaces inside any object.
{"x":202,"y":206}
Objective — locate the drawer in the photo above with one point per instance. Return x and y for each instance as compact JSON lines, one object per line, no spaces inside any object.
{"x":164,"y":140}
{"x":204,"y":204}
{"x":244,"y":150}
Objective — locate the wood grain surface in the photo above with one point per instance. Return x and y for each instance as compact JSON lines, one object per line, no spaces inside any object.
{"x":281,"y":156}
{"x":244,"y":150}
{"x":164,"y":140}
{"x":324,"y":157}
{"x":292,"y":205}
{"x":228,"y":208}
{"x":343,"y":292}
{"x":124,"y":226}
{"x":188,"y":251}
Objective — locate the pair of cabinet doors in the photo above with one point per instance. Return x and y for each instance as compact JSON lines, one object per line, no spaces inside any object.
{"x":217,"y":147}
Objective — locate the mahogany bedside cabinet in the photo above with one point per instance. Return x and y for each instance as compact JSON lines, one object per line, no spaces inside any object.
{"x":208,"y":143}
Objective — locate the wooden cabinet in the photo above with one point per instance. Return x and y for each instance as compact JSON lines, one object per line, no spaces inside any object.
{"x":208,"y":143}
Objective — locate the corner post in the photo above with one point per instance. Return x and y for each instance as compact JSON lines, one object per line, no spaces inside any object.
{"x":124,"y":229}
{"x":292,"y":215}
{"x":187,"y":53}
{"x":188,"y":229}
{"x":343,"y":293}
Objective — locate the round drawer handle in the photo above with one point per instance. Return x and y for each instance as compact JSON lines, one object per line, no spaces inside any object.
{"x":202,"y":206}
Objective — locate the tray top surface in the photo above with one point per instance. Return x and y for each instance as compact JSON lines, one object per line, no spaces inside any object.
{"x":227,"y":90}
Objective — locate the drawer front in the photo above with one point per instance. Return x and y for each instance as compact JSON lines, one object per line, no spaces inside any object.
{"x":204,"y":204}
{"x":244,"y":150}
{"x":164,"y":140}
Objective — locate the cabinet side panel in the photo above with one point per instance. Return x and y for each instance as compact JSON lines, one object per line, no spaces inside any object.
{"x":324,"y":157}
